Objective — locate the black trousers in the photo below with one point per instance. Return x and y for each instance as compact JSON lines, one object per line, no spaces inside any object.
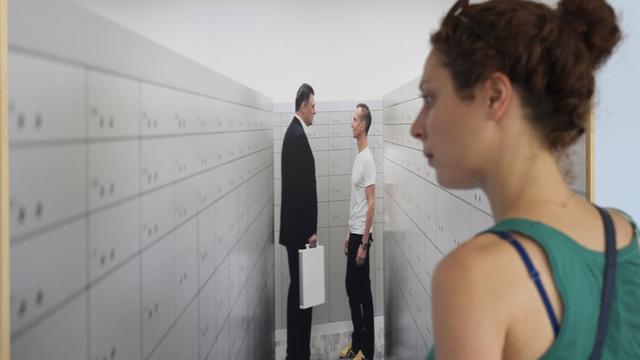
{"x":358,"y":286}
{"x":298,"y":320}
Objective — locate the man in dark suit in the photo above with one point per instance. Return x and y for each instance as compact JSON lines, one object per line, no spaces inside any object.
{"x":298,"y":216}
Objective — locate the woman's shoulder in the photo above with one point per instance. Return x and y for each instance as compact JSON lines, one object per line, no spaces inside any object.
{"x":480,"y":267}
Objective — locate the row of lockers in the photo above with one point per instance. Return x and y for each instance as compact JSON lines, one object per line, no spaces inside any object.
{"x":73,"y":179}
{"x":332,"y":188}
{"x":404,"y":112}
{"x":334,"y":162}
{"x":334,"y":143}
{"x":52,"y":101}
{"x":104,"y":322}
{"x":328,"y":118}
{"x":225,"y":238}
{"x":334,"y":213}
{"x":142,"y":219}
{"x":423,"y":222}
{"x":403,"y":336}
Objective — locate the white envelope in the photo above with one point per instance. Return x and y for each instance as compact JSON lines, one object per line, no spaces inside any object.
{"x":311,"y":270}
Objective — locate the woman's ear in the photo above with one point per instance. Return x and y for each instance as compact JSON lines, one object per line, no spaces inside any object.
{"x":499,"y":90}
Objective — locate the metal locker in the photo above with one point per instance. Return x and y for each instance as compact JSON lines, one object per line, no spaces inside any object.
{"x":46,"y":270}
{"x":206,"y":245}
{"x":339,"y":187}
{"x":157,"y":214}
{"x":339,"y":162}
{"x":46,"y":100}
{"x":46,"y":189}
{"x":46,"y":341}
{"x":185,"y":156}
{"x":113,"y":172}
{"x":186,"y":199}
{"x":158,"y":110}
{"x":158,"y":292}
{"x":186,"y":329}
{"x":114,"y":236}
{"x":186,"y":253}
{"x":114,"y":316}
{"x":113,"y":106}
{"x":339,"y":213}
{"x":156,"y":162}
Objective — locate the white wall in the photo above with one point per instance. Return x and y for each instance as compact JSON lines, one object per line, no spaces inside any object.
{"x":357,"y":49}
{"x":141,"y":198}
{"x":617,"y":167}
{"x":334,"y":149}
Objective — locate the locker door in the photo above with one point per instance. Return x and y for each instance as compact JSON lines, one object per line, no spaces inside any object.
{"x":206,"y":244}
{"x":45,"y":270}
{"x":339,"y":187}
{"x":114,"y":235}
{"x":156,"y":162}
{"x":157,"y":214}
{"x":46,"y":100}
{"x":115,"y":314}
{"x":186,"y":199}
{"x":158,"y":292}
{"x":185,"y":157}
{"x":113,"y":172}
{"x":113,"y":106}
{"x":187,"y":333}
{"x":157,"y":106}
{"x":46,"y":341}
{"x":339,"y":162}
{"x":47,"y":189}
{"x":186,"y":252}
{"x":207,"y":320}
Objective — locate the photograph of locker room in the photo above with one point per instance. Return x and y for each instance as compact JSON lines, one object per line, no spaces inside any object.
{"x":144,"y":195}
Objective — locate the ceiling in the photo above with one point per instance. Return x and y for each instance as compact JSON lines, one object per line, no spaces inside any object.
{"x":347,"y":50}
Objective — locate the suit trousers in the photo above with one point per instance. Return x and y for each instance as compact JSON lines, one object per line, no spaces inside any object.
{"x":298,"y":320}
{"x":358,"y":286}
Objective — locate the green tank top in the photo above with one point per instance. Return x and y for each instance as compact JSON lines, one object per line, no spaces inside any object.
{"x":578,"y":272}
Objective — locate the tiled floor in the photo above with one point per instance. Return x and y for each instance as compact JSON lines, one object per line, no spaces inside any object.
{"x":328,"y":339}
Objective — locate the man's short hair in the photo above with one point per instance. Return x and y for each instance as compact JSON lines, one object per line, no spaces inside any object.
{"x":304,"y":93}
{"x":366,"y":114}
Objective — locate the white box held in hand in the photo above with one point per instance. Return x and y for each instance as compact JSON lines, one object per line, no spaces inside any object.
{"x":311,"y":270}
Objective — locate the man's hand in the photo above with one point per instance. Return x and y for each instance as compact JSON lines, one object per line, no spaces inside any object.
{"x":361,"y":256}
{"x":313,"y":240}
{"x":346,"y":246}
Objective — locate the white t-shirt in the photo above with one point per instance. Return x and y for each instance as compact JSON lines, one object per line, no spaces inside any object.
{"x":362,"y":176}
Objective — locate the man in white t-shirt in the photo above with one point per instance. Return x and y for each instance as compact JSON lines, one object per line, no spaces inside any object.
{"x":358,"y":241}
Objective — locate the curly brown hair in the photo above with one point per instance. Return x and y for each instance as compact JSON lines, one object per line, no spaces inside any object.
{"x":549,"y":55}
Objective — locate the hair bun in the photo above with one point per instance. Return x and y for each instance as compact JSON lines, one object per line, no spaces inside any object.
{"x":596,"y":24}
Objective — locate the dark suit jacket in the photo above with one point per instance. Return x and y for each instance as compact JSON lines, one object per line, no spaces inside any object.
{"x":299,"y":210}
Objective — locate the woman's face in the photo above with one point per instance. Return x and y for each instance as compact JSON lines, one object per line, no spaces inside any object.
{"x":451,"y":129}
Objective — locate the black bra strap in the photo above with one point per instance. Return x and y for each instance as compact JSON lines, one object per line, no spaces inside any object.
{"x":608,"y":284}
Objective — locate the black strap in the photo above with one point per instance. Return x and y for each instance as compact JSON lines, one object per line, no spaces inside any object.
{"x":608,"y":285}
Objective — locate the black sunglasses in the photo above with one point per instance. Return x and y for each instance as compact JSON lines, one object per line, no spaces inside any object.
{"x":457,"y":11}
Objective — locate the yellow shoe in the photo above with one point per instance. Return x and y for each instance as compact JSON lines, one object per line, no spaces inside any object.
{"x":347,"y":352}
{"x":359,"y":356}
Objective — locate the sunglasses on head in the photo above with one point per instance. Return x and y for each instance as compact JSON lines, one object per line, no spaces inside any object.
{"x":458,"y":11}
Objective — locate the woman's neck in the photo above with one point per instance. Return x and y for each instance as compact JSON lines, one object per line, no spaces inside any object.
{"x":523,"y":180}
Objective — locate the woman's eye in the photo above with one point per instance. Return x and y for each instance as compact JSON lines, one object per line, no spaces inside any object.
{"x":428,"y":100}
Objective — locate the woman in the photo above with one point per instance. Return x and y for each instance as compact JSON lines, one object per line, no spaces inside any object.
{"x":507,"y":87}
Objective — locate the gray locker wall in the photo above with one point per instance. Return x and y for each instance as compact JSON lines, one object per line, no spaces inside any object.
{"x":334,"y":149}
{"x":422,"y":222}
{"x":141,"y":206}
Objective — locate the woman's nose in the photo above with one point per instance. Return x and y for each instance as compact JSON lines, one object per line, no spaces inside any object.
{"x":417,"y":130}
